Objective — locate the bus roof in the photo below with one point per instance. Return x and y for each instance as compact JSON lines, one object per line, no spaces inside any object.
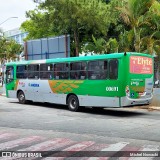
{"x":83,"y":58}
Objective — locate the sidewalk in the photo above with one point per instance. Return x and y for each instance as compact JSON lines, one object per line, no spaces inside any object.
{"x":154,"y":107}
{"x":2,"y":91}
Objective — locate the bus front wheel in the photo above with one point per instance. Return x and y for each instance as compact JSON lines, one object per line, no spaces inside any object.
{"x":21,"y":97}
{"x":73,"y":103}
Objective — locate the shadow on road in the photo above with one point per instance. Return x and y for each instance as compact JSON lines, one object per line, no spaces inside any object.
{"x":117,"y":112}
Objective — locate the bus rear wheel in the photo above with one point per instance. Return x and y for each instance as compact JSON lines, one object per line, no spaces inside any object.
{"x":21,"y":97}
{"x":73,"y":103}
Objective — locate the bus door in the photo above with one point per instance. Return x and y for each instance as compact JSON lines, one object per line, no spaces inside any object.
{"x":141,"y":77}
{"x":9,"y":80}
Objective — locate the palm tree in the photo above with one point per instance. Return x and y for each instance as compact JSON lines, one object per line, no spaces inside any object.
{"x":133,"y":15}
{"x":152,"y":43}
{"x":153,"y":39}
{"x":126,"y":41}
{"x":112,"y":46}
{"x":98,"y":46}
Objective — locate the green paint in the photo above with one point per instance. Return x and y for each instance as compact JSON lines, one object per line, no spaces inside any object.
{"x":104,"y":88}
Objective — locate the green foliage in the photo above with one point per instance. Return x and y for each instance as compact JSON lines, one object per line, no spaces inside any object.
{"x":126,"y":41}
{"x":97,"y":46}
{"x":79,"y":18}
{"x":140,"y":20}
{"x":99,"y":26}
{"x":9,"y":49}
{"x":38,"y":26}
{"x":112,"y":45}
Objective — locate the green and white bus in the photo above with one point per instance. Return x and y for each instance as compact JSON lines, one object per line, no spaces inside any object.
{"x":111,"y":80}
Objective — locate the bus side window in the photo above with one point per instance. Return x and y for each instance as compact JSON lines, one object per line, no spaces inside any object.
{"x":78,"y":70}
{"x":46,"y":71}
{"x":9,"y":74}
{"x":61,"y":71}
{"x":21,"y":72}
{"x":97,"y":70}
{"x":83,"y":72}
{"x":33,"y":71}
{"x":113,"y":69}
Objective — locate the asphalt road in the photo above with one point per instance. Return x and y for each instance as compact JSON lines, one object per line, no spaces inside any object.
{"x":137,"y":126}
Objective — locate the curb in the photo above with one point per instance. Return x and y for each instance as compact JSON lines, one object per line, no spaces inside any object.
{"x":154,"y":108}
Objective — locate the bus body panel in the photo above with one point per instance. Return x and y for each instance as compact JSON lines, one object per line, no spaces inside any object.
{"x":44,"y":91}
{"x":101,"y":93}
{"x":140,"y":78}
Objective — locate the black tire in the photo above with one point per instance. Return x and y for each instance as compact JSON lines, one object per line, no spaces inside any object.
{"x":21,"y":97}
{"x":73,"y":103}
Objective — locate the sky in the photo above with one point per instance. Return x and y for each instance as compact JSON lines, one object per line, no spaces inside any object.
{"x":14,"y":8}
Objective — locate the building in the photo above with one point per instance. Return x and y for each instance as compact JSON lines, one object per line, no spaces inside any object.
{"x":16,"y":34}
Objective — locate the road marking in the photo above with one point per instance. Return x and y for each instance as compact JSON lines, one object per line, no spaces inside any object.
{"x":129,"y":150}
{"x":116,"y":147}
{"x":46,"y":146}
{"x":49,"y":145}
{"x":113,"y":147}
{"x":70,"y":148}
{"x":91,"y":151}
{"x":17,"y":142}
{"x":2,"y":132}
{"x":5,"y":136}
{"x":154,"y":148}
{"x":74,"y":148}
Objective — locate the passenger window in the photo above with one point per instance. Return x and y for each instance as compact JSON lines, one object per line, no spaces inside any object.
{"x":61,"y":71}
{"x":46,"y":71}
{"x":97,"y":69}
{"x":78,"y":70}
{"x":33,"y":71}
{"x":21,"y":72}
{"x":113,"y":69}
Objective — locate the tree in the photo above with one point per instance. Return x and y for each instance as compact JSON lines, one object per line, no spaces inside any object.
{"x":126,"y":25}
{"x":101,"y":46}
{"x":133,"y":15}
{"x":9,"y":49}
{"x":98,"y":46}
{"x":39,"y":25}
{"x":78,"y":18}
{"x":152,"y":34}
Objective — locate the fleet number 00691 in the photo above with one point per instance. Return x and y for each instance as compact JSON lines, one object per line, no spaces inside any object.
{"x":110,"y":89}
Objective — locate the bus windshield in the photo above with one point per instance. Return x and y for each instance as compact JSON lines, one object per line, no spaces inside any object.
{"x":141,"y":65}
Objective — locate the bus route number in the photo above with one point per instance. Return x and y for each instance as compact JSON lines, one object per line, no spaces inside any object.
{"x":112,"y":89}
